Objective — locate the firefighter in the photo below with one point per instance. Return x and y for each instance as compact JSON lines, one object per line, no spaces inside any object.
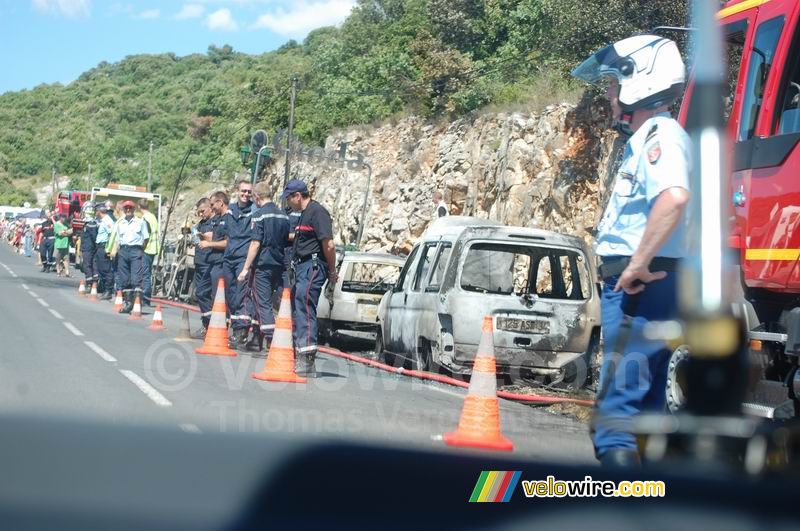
{"x":89,"y":244}
{"x":237,"y":225}
{"x":131,"y":239}
{"x":151,"y":250}
{"x":641,"y":236}
{"x":313,"y":261}
{"x":105,"y":268}
{"x":216,"y":247}
{"x":47,"y":244}
{"x":202,"y":268}
{"x":269,"y":238}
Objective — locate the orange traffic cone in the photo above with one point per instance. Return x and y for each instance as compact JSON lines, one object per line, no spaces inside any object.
{"x":82,"y":288}
{"x":479,"y":426}
{"x":136,"y":313}
{"x":216,"y":343}
{"x":118,"y":302}
{"x":93,"y":295}
{"x":158,"y":321}
{"x":279,"y":366}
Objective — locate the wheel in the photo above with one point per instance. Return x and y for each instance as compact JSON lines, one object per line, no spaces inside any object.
{"x":421,"y":356}
{"x":380,"y":352}
{"x":676,"y":379}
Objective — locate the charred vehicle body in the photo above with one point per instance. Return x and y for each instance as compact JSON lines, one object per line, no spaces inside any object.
{"x":349,"y":310}
{"x":540,"y":287}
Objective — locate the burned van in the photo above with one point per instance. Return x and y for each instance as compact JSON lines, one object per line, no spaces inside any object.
{"x":540,"y":288}
{"x":349,"y":309}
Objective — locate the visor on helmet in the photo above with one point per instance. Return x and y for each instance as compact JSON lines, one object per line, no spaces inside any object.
{"x":602,"y":64}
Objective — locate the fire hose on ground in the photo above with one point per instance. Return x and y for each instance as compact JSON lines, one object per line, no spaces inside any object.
{"x":532,"y":399}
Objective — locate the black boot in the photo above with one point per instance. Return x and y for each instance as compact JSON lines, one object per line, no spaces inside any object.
{"x":239,"y":337}
{"x":107,"y":296}
{"x":304,"y":364}
{"x":256,"y":341}
{"x":618,"y":458}
{"x":128,"y":306}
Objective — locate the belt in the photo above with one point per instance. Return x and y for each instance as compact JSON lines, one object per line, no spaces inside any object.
{"x":131,"y":246}
{"x":301,"y":259}
{"x":614,"y":266}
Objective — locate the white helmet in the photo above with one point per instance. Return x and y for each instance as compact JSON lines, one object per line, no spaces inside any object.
{"x":649,"y":70}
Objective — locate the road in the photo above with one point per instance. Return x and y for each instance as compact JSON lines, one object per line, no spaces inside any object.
{"x":65,"y":356}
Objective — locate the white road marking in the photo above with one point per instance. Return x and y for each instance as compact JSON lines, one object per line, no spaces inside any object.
{"x":13,"y":275}
{"x":56,"y":314}
{"x":25,"y":287}
{"x":190,"y":428}
{"x":445,"y":391}
{"x":100,"y":352}
{"x":71,"y":328}
{"x":33,"y":294}
{"x":146,"y":388}
{"x":42,"y":302}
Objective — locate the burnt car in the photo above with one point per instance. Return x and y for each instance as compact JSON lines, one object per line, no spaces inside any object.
{"x":540,"y":288}
{"x":349,"y":310}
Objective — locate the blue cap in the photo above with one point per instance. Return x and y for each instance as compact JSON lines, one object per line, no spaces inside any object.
{"x":294,"y":186}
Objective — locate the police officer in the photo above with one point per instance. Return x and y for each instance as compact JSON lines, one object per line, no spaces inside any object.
{"x":132,"y":237}
{"x":237,"y":225}
{"x":47,"y":245}
{"x":89,"y":244}
{"x":270,"y":237}
{"x":105,"y":225}
{"x":641,"y":237}
{"x":313,"y":262}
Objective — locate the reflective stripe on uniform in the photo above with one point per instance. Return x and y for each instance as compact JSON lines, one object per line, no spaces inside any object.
{"x":268,"y":327}
{"x":240,"y":317}
{"x":268,"y":216}
{"x":310,"y":348}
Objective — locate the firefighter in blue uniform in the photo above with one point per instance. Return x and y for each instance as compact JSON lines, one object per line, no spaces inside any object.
{"x":202,"y":268}
{"x":89,"y":245}
{"x":270,"y":236}
{"x":641,"y":237}
{"x":213,"y":243}
{"x":132,"y":237}
{"x":313,"y":262}
{"x":237,"y":222}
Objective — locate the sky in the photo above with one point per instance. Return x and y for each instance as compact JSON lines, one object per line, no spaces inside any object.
{"x":49,"y":41}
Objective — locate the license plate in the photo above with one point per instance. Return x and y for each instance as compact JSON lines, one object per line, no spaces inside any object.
{"x":530,"y":326}
{"x":368,"y":313}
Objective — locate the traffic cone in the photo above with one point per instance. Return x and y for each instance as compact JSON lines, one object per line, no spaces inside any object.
{"x":185,"y":333}
{"x":136,"y":313}
{"x":82,"y":288}
{"x":279,"y":366}
{"x":158,"y":321}
{"x":479,"y":426}
{"x":93,"y":295}
{"x":216,"y":342}
{"x":118,"y":303}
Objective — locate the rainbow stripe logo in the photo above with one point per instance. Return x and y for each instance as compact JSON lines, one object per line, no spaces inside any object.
{"x":495,"y":486}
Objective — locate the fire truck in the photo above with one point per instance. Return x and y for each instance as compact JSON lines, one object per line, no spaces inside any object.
{"x":763,"y":129}
{"x":71,"y":205}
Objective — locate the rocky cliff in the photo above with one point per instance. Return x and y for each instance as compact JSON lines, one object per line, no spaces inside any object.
{"x":540,"y":169}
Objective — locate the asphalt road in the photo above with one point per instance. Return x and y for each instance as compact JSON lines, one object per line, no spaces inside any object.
{"x":67,"y":357}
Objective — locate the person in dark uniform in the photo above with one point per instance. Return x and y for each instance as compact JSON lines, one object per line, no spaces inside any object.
{"x":132,"y":237}
{"x":89,"y":245}
{"x":270,"y":236}
{"x":313,"y":262}
{"x":215,"y":245}
{"x":202,"y":269}
{"x":105,"y":267}
{"x":47,"y":245}
{"x":237,"y":225}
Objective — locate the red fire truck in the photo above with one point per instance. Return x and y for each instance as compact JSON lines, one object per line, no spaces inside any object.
{"x":71,"y":205}
{"x":763,"y":127}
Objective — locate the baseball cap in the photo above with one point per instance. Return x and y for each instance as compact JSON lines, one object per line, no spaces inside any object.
{"x":294,"y":186}
{"x":128,"y":203}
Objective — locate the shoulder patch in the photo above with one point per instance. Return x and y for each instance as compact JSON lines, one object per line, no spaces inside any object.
{"x":654,"y":152}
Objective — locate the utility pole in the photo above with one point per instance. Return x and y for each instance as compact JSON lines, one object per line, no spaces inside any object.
{"x":91,"y":183}
{"x":291,"y":129}
{"x":150,"y":169}
{"x":55,"y":195}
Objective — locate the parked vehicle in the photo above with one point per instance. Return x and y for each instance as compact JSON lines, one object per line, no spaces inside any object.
{"x":540,"y":287}
{"x":349,"y":310}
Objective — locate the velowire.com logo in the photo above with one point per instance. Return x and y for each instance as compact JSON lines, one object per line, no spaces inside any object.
{"x":495,"y":486}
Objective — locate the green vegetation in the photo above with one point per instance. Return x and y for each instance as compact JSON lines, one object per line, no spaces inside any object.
{"x":436,"y":58}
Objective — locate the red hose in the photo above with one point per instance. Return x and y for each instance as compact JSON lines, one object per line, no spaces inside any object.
{"x":174,"y":304}
{"x":536,"y":399}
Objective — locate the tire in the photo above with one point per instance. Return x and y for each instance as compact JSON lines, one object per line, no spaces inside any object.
{"x":676,"y":379}
{"x":380,"y":352}
{"x":421,"y":356}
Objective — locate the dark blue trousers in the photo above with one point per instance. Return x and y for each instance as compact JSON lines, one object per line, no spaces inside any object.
{"x":148,"y":275}
{"x":130,"y":268}
{"x":634,"y":381}
{"x":104,"y":270}
{"x":268,"y":280}
{"x":307,"y":288}
{"x":236,"y":294}
{"x":202,"y":290}
{"x":87,"y":262}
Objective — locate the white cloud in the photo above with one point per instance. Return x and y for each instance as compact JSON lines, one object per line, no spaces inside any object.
{"x":149,"y":14}
{"x":221,"y":20}
{"x":303,"y":17}
{"x":65,"y":8}
{"x":190,"y":11}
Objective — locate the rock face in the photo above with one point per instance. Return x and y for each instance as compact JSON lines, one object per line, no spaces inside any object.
{"x":544,"y":170}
